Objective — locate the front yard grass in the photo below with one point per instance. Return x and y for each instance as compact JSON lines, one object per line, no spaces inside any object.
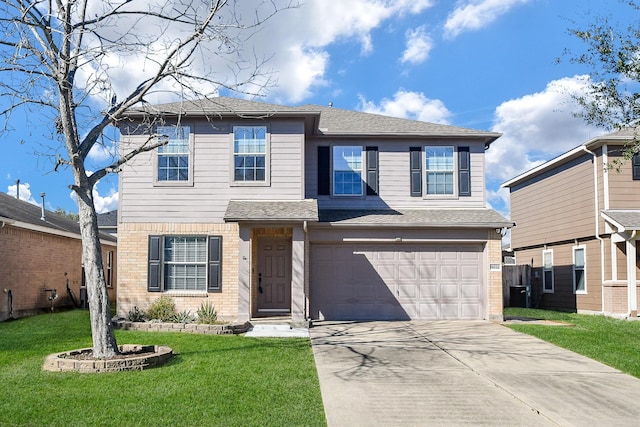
{"x":613,"y":342}
{"x":211,"y":381}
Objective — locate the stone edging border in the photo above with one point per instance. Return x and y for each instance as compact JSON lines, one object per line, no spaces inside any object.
{"x":150,"y":356}
{"x":194,"y":328}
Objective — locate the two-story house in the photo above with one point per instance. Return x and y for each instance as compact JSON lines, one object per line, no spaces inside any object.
{"x":306,"y":212}
{"x":577,"y":220}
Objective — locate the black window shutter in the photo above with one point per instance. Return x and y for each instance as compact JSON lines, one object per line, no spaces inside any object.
{"x":154,"y":283}
{"x":215,"y":263}
{"x":464,"y":171}
{"x":372,"y":171}
{"x":416,"y":171}
{"x":324,"y":170}
{"x":635,"y":164}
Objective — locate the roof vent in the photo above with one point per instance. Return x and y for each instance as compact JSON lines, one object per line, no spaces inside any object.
{"x":42,"y":217}
{"x":330,"y":104}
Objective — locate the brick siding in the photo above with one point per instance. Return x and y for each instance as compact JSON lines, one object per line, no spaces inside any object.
{"x":494,"y":254}
{"x":132,"y":259}
{"x":32,"y":261}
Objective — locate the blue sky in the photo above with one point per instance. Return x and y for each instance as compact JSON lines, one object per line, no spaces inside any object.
{"x":484,"y":64}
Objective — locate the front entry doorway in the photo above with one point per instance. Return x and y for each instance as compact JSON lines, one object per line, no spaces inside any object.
{"x":274,"y":277}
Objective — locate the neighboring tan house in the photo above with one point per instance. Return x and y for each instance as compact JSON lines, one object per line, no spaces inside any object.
{"x":41,"y":260}
{"x":108,"y":222}
{"x":307,"y":213}
{"x":577,"y":222}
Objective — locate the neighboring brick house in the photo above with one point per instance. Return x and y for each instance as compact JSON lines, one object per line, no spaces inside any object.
{"x":577,"y":222}
{"x":307,"y":213}
{"x":38,"y":255}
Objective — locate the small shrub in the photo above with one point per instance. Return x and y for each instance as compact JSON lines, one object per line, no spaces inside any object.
{"x":207,"y":314}
{"x":136,"y":315}
{"x":163,"y":309}
{"x":184,"y":317}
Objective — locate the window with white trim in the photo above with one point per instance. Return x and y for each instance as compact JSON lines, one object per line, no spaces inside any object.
{"x":110,"y":269}
{"x":184,"y":263}
{"x":547,"y":271}
{"x":173,"y":157}
{"x":347,"y":170}
{"x":440,"y":170}
{"x":579,"y":270}
{"x":250,"y":153}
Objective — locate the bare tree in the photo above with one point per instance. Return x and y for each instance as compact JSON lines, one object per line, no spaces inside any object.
{"x":74,"y":61}
{"x":613,"y":56}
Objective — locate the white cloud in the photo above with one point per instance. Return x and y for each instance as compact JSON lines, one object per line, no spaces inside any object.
{"x":475,"y":14}
{"x":536,"y":128}
{"x":105,"y":203}
{"x":419,"y":44}
{"x":101,"y":203}
{"x":102,"y":152}
{"x":25,"y":192}
{"x":410,"y":105}
{"x":293,"y":41}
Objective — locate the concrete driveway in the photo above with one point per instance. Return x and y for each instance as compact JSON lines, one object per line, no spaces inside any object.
{"x":463,"y":373}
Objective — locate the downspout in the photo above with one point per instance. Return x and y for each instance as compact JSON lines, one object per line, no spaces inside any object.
{"x":307,"y":308}
{"x":597,"y":223}
{"x":632,"y":280}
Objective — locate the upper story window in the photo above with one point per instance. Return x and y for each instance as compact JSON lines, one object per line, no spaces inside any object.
{"x":440,"y":170}
{"x":250,"y":153}
{"x":173,"y":157}
{"x":436,"y":172}
{"x":347,"y":171}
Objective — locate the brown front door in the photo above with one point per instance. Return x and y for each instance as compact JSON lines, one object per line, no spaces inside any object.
{"x":274,"y":276}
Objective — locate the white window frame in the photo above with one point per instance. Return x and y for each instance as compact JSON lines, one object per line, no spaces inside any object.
{"x":200,"y":264}
{"x":453,"y":171}
{"x":160,"y":130}
{"x":545,"y":269}
{"x":359,"y":171}
{"x":583,"y":267}
{"x":267,"y":160}
{"x":109,"y":275}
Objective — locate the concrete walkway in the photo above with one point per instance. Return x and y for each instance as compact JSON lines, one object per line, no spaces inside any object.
{"x":463,"y":373}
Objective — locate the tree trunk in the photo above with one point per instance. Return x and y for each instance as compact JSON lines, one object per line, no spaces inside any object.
{"x":104,"y":341}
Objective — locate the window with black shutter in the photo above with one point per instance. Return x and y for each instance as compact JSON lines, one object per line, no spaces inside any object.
{"x":324,"y":170}
{"x":464,"y":172}
{"x":415,"y":161}
{"x":184,"y":263}
{"x":372,"y":171}
{"x":635,"y":165}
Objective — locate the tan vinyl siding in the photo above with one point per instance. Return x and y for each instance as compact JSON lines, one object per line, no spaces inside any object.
{"x":624,"y":192}
{"x":393,"y":176}
{"x":206,"y":200}
{"x":563,"y":297}
{"x":555,"y":207}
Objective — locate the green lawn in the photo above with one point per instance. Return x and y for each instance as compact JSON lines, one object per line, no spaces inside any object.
{"x":212,"y":380}
{"x":613,"y":342}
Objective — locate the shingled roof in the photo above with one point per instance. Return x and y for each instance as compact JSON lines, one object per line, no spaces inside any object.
{"x":13,"y":210}
{"x":465,"y":218}
{"x":623,"y":219}
{"x":327,"y":120}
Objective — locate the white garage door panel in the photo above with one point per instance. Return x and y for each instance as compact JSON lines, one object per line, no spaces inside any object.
{"x":396,"y":281}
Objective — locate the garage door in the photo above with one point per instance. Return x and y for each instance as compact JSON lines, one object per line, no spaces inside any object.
{"x":396,"y":282}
